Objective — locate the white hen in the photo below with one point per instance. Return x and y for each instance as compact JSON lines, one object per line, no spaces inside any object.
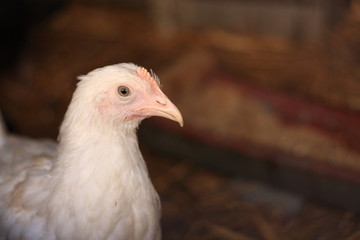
{"x":94,"y":184}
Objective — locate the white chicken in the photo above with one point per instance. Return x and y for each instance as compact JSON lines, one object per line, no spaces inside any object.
{"x":94,"y":184}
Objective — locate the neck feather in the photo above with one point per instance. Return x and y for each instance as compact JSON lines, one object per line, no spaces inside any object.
{"x":90,"y":149}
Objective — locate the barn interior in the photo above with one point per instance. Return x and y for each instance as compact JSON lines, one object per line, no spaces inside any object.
{"x":269,"y":91}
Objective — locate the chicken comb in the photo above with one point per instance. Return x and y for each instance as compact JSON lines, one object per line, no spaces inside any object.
{"x":145,"y":75}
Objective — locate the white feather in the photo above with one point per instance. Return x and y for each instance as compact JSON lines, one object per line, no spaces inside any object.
{"x":94,"y":184}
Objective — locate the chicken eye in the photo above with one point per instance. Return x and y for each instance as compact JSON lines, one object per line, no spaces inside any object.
{"x":123,"y":91}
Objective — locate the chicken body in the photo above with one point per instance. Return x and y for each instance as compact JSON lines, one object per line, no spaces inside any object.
{"x":94,"y":184}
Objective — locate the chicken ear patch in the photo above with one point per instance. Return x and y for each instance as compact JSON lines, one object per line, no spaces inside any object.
{"x":146,"y":76}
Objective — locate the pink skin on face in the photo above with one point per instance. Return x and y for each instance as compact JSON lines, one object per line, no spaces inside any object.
{"x":145,"y":100}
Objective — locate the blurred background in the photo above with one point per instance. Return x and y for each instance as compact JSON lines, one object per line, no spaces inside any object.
{"x":269,"y":91}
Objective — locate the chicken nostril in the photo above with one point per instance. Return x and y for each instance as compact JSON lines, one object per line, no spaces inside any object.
{"x":161,"y":103}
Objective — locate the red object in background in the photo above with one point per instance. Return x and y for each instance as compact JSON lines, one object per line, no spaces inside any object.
{"x":341,"y":124}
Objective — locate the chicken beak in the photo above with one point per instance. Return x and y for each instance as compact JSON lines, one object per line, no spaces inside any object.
{"x":162,"y":107}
